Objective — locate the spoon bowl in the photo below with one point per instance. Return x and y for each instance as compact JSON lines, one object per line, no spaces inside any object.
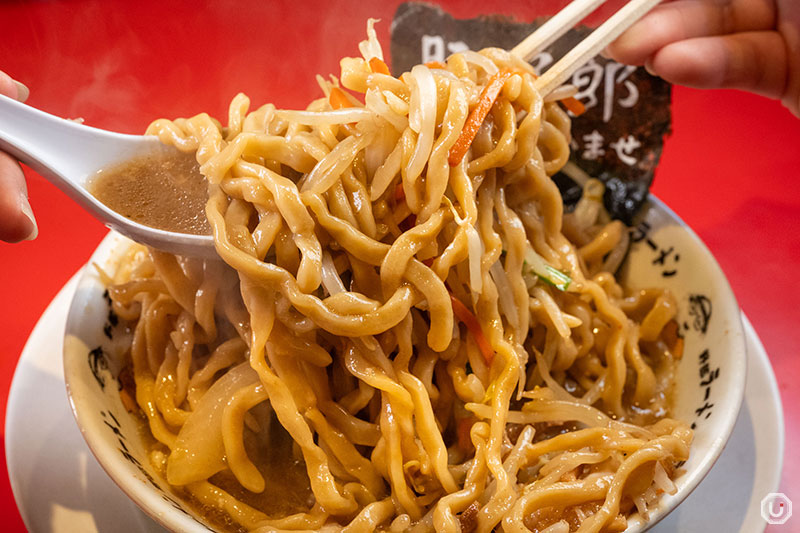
{"x":69,"y":154}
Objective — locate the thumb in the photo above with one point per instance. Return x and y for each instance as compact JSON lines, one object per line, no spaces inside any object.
{"x":12,"y":88}
{"x":16,"y":217}
{"x":751,"y":61}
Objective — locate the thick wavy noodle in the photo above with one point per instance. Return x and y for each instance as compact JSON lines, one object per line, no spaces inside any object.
{"x":397,"y":338}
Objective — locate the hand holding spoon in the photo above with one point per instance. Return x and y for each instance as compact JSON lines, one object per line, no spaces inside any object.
{"x":70,"y":155}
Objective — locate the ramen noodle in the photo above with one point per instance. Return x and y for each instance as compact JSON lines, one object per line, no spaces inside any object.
{"x":406,"y":331}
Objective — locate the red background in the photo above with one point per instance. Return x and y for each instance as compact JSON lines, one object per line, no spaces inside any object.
{"x":729,"y":170}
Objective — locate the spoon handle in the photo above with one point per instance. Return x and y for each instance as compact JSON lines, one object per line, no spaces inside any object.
{"x":69,"y":154}
{"x":59,"y":149}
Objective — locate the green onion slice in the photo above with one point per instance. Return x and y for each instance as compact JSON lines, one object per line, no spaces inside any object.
{"x":535,"y":264}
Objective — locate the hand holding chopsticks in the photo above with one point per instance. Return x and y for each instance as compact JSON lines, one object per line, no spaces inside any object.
{"x":559,"y":24}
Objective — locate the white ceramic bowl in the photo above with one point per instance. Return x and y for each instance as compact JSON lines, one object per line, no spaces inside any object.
{"x":709,"y":390}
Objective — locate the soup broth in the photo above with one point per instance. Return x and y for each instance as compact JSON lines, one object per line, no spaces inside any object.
{"x":162,"y":191}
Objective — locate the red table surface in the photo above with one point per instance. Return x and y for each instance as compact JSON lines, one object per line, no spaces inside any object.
{"x":730,"y":169}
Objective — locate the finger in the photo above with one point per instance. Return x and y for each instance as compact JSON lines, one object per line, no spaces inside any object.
{"x":687,"y":19}
{"x":752,"y":61}
{"x":788,"y":27}
{"x":16,"y":217}
{"x":12,"y":88}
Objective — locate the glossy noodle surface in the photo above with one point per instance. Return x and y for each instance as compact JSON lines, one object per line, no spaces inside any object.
{"x":406,"y":330}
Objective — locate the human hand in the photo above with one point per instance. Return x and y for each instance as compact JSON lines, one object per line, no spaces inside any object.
{"x":16,"y":217}
{"x":753,"y":45}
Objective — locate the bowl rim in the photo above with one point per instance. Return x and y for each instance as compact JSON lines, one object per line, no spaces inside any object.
{"x":103,"y":450}
{"x":167,"y":516}
{"x":690,"y":480}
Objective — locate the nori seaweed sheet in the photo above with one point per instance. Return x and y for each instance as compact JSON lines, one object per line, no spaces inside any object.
{"x":623,"y":103}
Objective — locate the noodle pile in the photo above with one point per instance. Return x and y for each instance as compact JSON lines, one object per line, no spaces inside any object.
{"x":399,"y":339}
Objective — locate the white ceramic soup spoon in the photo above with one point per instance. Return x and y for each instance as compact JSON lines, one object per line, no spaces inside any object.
{"x":69,"y":154}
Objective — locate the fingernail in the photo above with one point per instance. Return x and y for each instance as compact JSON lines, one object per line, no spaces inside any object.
{"x":25,"y":207}
{"x":22,"y":91}
{"x":648,"y":66}
{"x":604,"y":53}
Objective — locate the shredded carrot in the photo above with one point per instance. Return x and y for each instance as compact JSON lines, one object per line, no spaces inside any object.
{"x":378,"y":66}
{"x":677,"y":349}
{"x":478,"y":115}
{"x":471,"y":321}
{"x":338,"y":99}
{"x":671,"y":335}
{"x":574,"y":105}
{"x":436,"y":64}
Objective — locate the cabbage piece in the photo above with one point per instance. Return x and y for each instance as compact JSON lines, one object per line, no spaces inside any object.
{"x":199,"y":452}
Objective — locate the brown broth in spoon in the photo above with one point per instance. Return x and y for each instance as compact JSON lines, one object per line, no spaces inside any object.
{"x":164,"y":191}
